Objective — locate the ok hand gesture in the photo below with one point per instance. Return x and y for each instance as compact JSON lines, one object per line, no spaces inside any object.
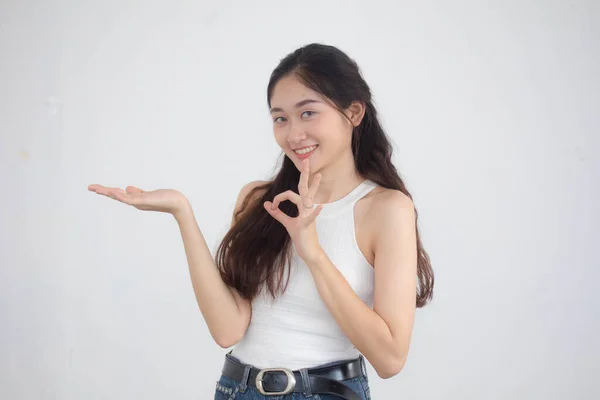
{"x":302,"y":229}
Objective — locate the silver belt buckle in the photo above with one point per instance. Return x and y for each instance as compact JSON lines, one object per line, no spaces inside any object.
{"x":291,"y":381}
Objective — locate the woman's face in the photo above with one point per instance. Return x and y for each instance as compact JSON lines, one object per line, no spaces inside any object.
{"x":305,"y":122}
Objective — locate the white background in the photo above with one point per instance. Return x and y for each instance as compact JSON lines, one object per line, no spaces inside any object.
{"x":493,"y":107}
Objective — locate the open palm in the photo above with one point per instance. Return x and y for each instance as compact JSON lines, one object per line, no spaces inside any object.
{"x":161,"y":200}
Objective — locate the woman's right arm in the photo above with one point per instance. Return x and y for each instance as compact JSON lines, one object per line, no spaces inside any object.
{"x":226,"y":313}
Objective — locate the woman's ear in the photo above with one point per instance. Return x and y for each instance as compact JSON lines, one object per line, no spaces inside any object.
{"x":356,"y":112}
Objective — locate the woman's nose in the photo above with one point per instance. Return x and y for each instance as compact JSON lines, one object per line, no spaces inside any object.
{"x":296,"y":134}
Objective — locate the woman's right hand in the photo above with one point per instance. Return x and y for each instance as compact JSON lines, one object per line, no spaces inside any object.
{"x":162,"y":200}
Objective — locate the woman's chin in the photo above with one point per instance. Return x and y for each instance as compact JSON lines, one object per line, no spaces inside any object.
{"x":313,"y":165}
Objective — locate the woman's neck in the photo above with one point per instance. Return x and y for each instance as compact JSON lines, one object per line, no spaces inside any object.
{"x":337,"y":181}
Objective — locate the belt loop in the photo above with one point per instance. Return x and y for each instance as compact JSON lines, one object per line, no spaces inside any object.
{"x":306,"y":382}
{"x":244,"y":382}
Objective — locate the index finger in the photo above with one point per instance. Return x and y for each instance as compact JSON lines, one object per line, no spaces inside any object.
{"x":304,"y":172}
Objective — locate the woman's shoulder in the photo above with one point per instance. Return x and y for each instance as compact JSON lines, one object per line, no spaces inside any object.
{"x":379,"y":206}
{"x":250,"y":191}
{"x":259,"y":186}
{"x":392,"y":198}
{"x":383,"y":204}
{"x":382,"y":198}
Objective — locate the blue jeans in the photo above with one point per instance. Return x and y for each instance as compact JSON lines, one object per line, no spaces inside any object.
{"x":229,"y":389}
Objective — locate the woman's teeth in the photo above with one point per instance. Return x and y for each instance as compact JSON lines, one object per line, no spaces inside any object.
{"x":306,"y":150}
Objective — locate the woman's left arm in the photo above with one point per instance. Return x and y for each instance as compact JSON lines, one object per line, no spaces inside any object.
{"x":383,"y":334}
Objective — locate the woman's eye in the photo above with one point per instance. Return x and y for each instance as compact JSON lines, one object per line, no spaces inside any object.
{"x":305,"y":114}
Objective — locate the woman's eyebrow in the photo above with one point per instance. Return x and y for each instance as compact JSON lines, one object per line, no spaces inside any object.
{"x":298,"y":105}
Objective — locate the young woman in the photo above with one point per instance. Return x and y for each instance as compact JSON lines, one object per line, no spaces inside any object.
{"x":322,"y":266}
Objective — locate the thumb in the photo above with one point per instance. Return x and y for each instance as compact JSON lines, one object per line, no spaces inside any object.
{"x":133,"y":190}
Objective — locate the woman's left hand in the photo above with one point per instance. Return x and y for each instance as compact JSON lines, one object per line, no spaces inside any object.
{"x":302,"y":229}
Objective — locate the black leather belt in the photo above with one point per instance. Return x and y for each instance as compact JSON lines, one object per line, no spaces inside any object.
{"x":281,"y":381}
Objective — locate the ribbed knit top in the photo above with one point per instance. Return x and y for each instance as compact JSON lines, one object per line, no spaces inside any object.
{"x":296,"y":329}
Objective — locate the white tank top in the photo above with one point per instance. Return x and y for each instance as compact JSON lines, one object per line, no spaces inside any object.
{"x":296,"y":330}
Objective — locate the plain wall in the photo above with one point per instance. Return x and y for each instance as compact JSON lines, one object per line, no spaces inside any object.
{"x":493,"y":108}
